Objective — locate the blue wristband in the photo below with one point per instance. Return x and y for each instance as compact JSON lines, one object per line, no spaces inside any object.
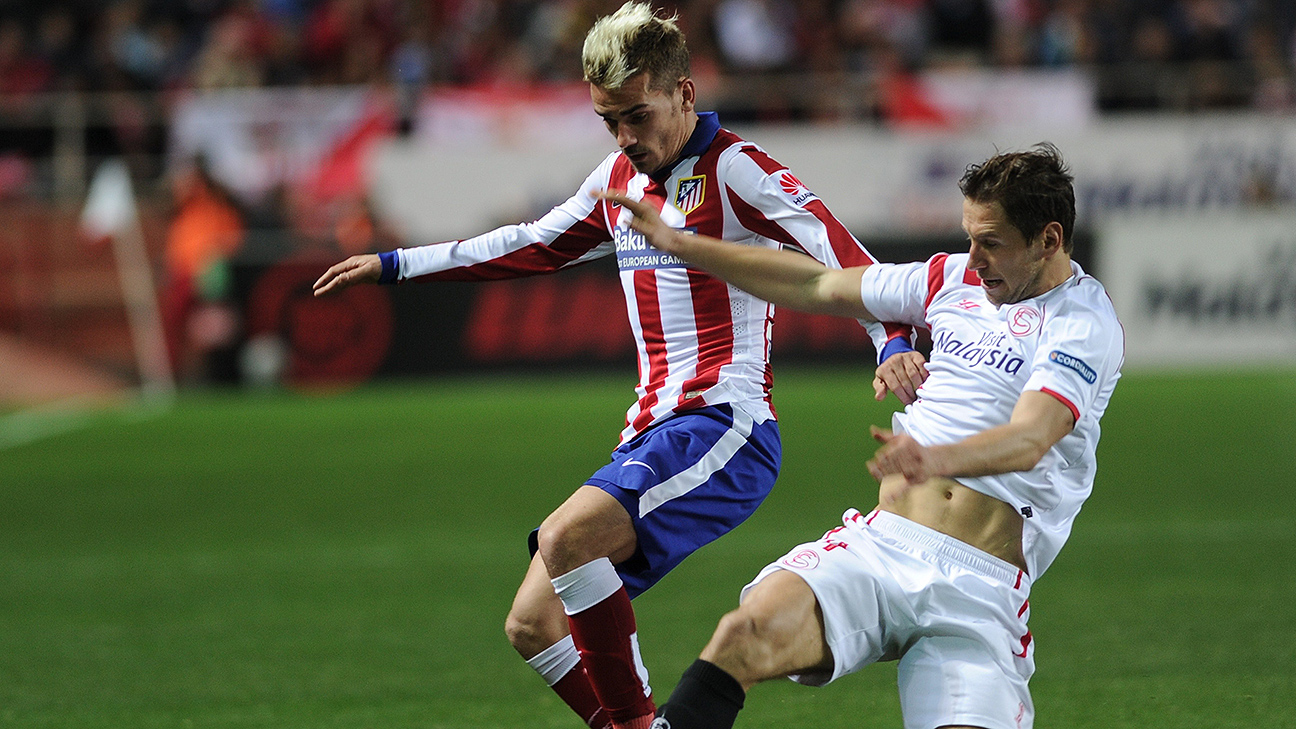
{"x":895,"y":345}
{"x":390,"y":267}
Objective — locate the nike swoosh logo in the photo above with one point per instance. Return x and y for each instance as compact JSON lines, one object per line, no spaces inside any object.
{"x":633,"y":462}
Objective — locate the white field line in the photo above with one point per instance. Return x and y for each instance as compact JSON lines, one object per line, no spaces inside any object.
{"x":45,"y":421}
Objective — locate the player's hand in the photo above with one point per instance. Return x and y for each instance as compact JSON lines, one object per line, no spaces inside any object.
{"x":902,"y":374}
{"x":646,"y":220}
{"x":354,"y":270}
{"x":903,"y":455}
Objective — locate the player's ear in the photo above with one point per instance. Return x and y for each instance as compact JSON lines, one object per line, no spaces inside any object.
{"x":1051,"y":238}
{"x":689,"y":93}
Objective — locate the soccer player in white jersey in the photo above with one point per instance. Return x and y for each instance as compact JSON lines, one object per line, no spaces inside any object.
{"x":981,"y":477}
{"x":700,"y":449}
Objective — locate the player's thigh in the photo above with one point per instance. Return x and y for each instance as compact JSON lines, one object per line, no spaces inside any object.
{"x":777,"y":630}
{"x":589,"y":525}
{"x":847,"y":571}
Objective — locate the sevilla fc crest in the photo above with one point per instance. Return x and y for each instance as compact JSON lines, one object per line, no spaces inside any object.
{"x":806,"y":559}
{"x":689,"y":193}
{"x":1023,"y":320}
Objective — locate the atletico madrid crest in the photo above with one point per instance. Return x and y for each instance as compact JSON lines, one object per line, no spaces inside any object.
{"x":689,"y":193}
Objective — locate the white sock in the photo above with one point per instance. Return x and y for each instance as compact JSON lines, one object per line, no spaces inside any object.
{"x":556,"y":661}
{"x":587,"y":585}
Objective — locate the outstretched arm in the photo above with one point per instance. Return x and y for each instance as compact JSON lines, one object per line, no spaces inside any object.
{"x":355,"y":270}
{"x":1038,"y":422}
{"x":782,"y":278}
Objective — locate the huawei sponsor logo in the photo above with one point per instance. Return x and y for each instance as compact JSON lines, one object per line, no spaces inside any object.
{"x":795,"y":188}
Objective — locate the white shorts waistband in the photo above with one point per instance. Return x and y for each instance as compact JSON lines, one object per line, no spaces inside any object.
{"x":960,"y":552}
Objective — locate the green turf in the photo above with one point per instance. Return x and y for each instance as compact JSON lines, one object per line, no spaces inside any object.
{"x":347,"y":561}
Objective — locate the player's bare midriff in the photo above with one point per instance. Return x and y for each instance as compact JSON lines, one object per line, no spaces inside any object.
{"x":951,"y":508}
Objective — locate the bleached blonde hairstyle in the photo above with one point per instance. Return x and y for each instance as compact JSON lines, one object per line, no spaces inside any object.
{"x":633,"y":40}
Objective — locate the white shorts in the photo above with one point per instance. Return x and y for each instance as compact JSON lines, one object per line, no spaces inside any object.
{"x":954,"y":616}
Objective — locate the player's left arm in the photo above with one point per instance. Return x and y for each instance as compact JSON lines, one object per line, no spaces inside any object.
{"x":1039,"y":420}
{"x":780,"y":277}
{"x":902,"y":372}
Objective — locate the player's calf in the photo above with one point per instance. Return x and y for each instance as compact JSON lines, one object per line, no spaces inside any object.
{"x":603,"y":629}
{"x":707,"y":697}
{"x":536,"y":619}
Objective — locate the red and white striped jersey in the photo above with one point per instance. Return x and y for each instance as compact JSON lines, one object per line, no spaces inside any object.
{"x":699,"y":340}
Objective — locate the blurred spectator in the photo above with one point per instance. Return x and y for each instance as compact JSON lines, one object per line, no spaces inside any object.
{"x":211,"y":44}
{"x":206,"y":229}
{"x":358,"y":229}
{"x":1152,"y":40}
{"x":346,"y":41}
{"x":1207,"y":30}
{"x":755,"y":35}
{"x":1064,"y":35}
{"x":56,"y":45}
{"x":873,"y":28}
{"x":1274,"y":90}
{"x":233,"y":54}
{"x":21,"y":72}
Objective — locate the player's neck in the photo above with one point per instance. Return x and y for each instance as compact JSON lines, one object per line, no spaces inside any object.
{"x":690,"y":126}
{"x":1056,"y":272}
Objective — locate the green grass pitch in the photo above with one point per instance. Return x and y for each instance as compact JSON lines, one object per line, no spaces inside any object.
{"x":347,"y":561}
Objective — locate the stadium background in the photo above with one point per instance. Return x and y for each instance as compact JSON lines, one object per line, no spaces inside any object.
{"x":309,"y":513}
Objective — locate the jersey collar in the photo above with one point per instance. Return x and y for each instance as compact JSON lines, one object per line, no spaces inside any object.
{"x":708,"y":125}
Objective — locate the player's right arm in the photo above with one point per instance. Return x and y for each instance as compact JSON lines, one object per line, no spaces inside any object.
{"x":573,"y":233}
{"x":783,"y":278}
{"x":365,"y":268}
{"x":1038,"y":422}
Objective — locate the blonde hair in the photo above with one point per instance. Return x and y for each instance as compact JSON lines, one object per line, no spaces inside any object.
{"x":634,"y":40}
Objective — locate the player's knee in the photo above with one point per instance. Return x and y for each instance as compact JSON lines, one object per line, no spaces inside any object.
{"x":741,"y":644}
{"x":565,"y":544}
{"x":739,"y":629}
{"x":554,"y":542}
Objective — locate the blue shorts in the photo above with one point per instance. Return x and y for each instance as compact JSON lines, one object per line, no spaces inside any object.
{"x":688,"y":481}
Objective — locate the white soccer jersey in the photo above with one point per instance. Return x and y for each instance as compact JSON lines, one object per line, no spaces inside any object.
{"x":700,"y":341}
{"x":1066,"y":342}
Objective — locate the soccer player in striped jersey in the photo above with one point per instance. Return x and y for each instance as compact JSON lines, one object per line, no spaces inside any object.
{"x":700,"y":449}
{"x":980,"y":479}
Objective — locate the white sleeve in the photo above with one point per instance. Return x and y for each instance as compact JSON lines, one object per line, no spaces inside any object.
{"x":570,"y":234}
{"x":896,"y":292}
{"x":1078,"y":355}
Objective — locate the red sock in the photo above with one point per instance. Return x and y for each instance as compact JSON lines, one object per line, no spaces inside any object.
{"x":603,"y":630}
{"x":575,"y":690}
{"x":603,"y":634}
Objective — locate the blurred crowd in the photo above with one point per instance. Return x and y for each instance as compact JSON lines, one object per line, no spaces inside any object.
{"x":753,"y":59}
{"x":205,"y":44}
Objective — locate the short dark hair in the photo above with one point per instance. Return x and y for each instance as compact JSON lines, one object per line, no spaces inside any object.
{"x":635,"y":40}
{"x":1034,"y":188}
